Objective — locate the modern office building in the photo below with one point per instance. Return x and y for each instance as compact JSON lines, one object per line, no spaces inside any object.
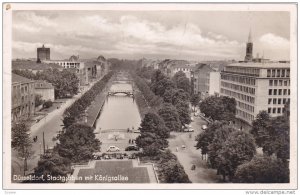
{"x":23,"y":98}
{"x":257,"y":87}
{"x":43,"y":53}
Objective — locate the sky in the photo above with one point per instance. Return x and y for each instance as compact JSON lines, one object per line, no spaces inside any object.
{"x":189,"y":35}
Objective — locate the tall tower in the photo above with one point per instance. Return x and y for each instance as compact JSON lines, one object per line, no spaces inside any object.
{"x":43,"y":53}
{"x":249,"y":49}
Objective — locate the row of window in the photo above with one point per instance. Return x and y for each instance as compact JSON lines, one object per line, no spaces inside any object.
{"x":278,"y":73}
{"x":245,"y":115}
{"x":239,"y":79}
{"x":243,"y":70}
{"x":276,"y":110}
{"x":278,"y":100}
{"x":68,"y":63}
{"x":238,"y":87}
{"x":245,"y":106}
{"x":280,"y":91}
{"x":279,"y":82}
{"x":239,"y":96}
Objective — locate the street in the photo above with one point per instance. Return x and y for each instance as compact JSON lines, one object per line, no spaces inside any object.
{"x":189,"y":156}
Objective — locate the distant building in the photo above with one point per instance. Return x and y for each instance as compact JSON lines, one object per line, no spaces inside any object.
{"x":45,"y":89}
{"x":33,"y":66}
{"x":43,"y":53}
{"x":249,"y":49}
{"x":213,"y":83}
{"x":186,"y":68}
{"x":257,"y":87}
{"x":23,"y":98}
{"x":201,"y":79}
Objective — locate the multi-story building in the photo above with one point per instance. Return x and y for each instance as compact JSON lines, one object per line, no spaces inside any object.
{"x":186,"y":68}
{"x":23,"y":98}
{"x":257,"y":87}
{"x":212,"y":84}
{"x":43,"y":53}
{"x":45,"y":89}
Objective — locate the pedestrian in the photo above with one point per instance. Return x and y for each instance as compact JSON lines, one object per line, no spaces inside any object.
{"x":127,"y":130}
{"x":129,"y":141}
{"x":36,"y":138}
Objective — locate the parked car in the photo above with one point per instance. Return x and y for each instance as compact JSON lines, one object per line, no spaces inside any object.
{"x":113,"y":149}
{"x":132,"y":156}
{"x":119,"y":156}
{"x":132,"y":148}
{"x":188,"y":130}
{"x":106,"y":157}
{"x":204,"y":127}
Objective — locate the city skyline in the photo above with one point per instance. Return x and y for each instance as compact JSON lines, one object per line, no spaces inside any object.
{"x":156,"y":34}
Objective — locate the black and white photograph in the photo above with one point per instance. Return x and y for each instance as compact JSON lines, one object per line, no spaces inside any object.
{"x":152,"y":95}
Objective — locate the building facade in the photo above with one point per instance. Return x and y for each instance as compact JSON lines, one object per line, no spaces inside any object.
{"x":43,"y":54}
{"x":202,"y":80}
{"x":213,"y":83}
{"x":23,"y":98}
{"x":45,"y":89}
{"x":257,"y":87}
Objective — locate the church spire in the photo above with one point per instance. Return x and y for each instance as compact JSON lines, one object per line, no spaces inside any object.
{"x":250,"y":37}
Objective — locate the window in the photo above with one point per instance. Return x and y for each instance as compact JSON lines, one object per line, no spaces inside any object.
{"x":269,"y":110}
{"x":283,"y":101}
{"x":282,"y":73}
{"x":274,"y":110}
{"x":273,"y":73}
{"x":278,"y":73}
{"x":280,"y":82}
{"x":279,"y":101}
{"x":275,"y":92}
{"x":274,"y":101}
{"x":269,"y":100}
{"x":269,"y":73}
{"x":289,"y":91}
{"x":275,"y":82}
{"x":279,"y":110}
{"x":285,"y":83}
{"x":270,"y":82}
{"x":283,"y":110}
{"x":279,"y":91}
{"x":270,"y":91}
{"x":288,"y":73}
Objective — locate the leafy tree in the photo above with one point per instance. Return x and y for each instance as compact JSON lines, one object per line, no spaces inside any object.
{"x":152,"y":123}
{"x":263,"y":169}
{"x":182,"y":82}
{"x":53,"y":165}
{"x":205,"y":138}
{"x":170,"y":116}
{"x":184,"y":112}
{"x":21,"y":141}
{"x":214,"y":148}
{"x":219,"y":108}
{"x":237,"y":149}
{"x":171,"y":171}
{"x":78,"y":143}
{"x":47,"y":104}
{"x":259,"y":127}
{"x":162,"y":85}
{"x":272,"y":134}
{"x":195,"y":99}
{"x":151,"y":143}
{"x":157,"y":76}
{"x":38,"y":100}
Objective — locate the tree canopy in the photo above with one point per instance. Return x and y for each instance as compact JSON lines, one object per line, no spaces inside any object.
{"x":171,"y":117}
{"x":263,"y":169}
{"x":182,"y":82}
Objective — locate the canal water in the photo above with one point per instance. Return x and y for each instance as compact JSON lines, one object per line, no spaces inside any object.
{"x":119,"y":111}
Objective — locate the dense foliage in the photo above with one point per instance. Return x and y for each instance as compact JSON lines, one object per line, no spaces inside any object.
{"x":77,"y":143}
{"x":171,"y":117}
{"x":272,"y":134}
{"x":77,"y":109}
{"x":263,"y":169}
{"x":65,"y":82}
{"x":219,"y":108}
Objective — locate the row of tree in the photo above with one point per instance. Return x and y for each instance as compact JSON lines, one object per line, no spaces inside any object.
{"x":77,"y":109}
{"x":65,"y":82}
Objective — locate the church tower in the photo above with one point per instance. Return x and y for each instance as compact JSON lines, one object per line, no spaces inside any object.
{"x":249,"y":49}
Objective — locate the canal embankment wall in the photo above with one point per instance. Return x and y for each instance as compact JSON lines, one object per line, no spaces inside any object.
{"x":94,"y":110}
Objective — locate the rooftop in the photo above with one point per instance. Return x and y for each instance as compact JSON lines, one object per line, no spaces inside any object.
{"x":40,"y":84}
{"x":19,"y":79}
{"x":261,"y":65}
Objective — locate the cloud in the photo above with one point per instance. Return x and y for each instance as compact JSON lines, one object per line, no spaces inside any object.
{"x":27,"y":28}
{"x":274,"y":40}
{"x":36,"y":19}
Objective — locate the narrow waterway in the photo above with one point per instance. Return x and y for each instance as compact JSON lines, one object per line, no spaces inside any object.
{"x":119,"y":111}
